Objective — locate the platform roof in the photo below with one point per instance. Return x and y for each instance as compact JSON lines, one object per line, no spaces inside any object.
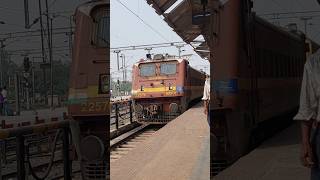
{"x":203,"y":50}
{"x":180,"y":19}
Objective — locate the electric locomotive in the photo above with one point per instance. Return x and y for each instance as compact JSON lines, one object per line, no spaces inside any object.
{"x":164,"y":87}
{"x":89,"y":88}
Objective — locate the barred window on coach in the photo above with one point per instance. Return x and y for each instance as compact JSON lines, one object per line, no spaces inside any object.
{"x":101,"y":36}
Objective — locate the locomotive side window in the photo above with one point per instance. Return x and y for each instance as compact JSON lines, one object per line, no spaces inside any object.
{"x":101,"y":25}
{"x":147,"y":70}
{"x":168,"y":68}
{"x":104,"y":84}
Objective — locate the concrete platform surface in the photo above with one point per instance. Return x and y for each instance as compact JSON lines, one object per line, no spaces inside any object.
{"x":276,"y":159}
{"x":178,"y":151}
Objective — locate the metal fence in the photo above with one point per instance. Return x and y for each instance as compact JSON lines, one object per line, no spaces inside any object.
{"x":121,"y":113}
{"x":23,"y":155}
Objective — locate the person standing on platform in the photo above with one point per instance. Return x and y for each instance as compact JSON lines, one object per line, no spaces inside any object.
{"x":4,"y":94}
{"x":309,"y":115}
{"x":206,"y":97}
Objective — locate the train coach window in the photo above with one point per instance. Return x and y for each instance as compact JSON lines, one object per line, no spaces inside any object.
{"x":147,"y":70}
{"x":102,"y":30}
{"x":296,"y":67}
{"x":168,"y":68}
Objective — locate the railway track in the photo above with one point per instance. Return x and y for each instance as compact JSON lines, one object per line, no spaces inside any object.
{"x":130,"y":140}
{"x":39,"y":165}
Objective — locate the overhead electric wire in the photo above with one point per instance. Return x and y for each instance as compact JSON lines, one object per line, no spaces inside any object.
{"x":37,"y":30}
{"x":141,"y":46}
{"x":288,"y":13}
{"x":12,"y":10}
{"x":19,"y":50}
{"x":16,"y":25}
{"x":144,"y":22}
{"x":290,"y":17}
{"x":34,"y":52}
{"x":31,"y":35}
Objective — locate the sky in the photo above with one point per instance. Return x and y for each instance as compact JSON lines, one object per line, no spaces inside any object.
{"x":12,"y":14}
{"x":276,"y":6}
{"x":128,"y":30}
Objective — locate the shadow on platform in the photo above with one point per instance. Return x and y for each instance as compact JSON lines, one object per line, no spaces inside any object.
{"x":276,"y":159}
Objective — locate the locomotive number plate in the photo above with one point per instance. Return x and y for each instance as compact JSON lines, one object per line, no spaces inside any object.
{"x":168,"y":93}
{"x":95,"y":107}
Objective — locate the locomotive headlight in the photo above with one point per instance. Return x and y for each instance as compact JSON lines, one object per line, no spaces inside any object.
{"x":170,"y":87}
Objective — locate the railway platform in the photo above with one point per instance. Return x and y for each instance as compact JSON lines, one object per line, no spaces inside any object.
{"x":278,"y":158}
{"x":179,"y":150}
{"x":32,"y":117}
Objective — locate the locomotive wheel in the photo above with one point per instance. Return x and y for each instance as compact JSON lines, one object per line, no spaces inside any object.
{"x":173,"y":107}
{"x":96,"y":150}
{"x":138,"y":109}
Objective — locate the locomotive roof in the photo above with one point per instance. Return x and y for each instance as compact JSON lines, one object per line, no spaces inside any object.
{"x":86,"y":8}
{"x":155,"y":61}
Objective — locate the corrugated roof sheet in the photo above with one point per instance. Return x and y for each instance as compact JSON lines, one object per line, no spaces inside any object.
{"x":180,"y":20}
{"x":161,"y":5}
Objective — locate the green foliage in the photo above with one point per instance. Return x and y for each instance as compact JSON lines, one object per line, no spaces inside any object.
{"x":9,"y":68}
{"x":60,"y":79}
{"x":125,"y":86}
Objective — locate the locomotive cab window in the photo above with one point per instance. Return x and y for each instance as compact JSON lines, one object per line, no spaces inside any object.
{"x":101,"y":27}
{"x":168,"y":68}
{"x":147,"y":70}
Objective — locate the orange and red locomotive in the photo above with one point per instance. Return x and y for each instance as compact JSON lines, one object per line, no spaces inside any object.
{"x":89,"y":88}
{"x":164,"y":87}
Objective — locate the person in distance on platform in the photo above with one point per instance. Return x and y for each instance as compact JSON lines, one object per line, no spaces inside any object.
{"x":4,"y":94}
{"x":206,"y":96}
{"x":309,"y":114}
{"x":1,"y":102}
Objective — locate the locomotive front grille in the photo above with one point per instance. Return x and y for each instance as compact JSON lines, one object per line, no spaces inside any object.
{"x":97,"y":170}
{"x":154,"y":113}
{"x":157,"y":118}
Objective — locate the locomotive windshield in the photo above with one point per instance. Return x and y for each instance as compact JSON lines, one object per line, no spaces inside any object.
{"x":168,"y":68}
{"x":102,"y":29}
{"x":147,"y":70}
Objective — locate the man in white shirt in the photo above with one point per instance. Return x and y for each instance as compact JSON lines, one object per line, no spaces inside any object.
{"x":309,"y":114}
{"x":4,"y":93}
{"x":206,"y":96}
